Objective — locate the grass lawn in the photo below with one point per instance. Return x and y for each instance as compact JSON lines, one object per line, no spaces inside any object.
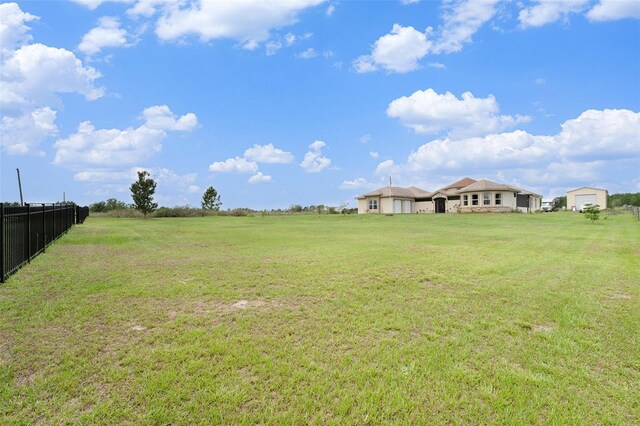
{"x":327,"y":319}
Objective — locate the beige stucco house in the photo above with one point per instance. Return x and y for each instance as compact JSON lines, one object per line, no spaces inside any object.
{"x":465,"y":195}
{"x":577,"y":198}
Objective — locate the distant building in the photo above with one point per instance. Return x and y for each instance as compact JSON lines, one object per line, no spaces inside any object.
{"x":465,"y":195}
{"x":578,"y":198}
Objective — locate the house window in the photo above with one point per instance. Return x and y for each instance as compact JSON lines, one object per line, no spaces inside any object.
{"x":486,"y":199}
{"x":373,"y":204}
{"x":498,"y":199}
{"x":465,"y":200}
{"x":474,"y":200}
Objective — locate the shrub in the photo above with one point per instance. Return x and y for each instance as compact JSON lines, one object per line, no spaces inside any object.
{"x":591,"y":212}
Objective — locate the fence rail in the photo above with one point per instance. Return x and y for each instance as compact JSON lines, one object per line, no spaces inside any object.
{"x":26,"y":231}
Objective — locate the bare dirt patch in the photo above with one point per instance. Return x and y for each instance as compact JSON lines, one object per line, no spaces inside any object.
{"x":5,"y":354}
{"x":244,"y":304}
{"x":138,"y":328}
{"x":541,"y":328}
{"x":620,"y":296}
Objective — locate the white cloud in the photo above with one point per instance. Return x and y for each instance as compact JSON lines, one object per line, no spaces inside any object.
{"x":106,"y":175}
{"x":259,"y":178}
{"x":385,"y":167}
{"x":249,"y":21}
{"x":405,"y":2}
{"x":272,"y":47}
{"x":23,"y":134}
{"x":374,"y":155}
{"x":308,"y":53}
{"x":237,"y":164}
{"x":267,"y":154}
{"x":290,"y":38}
{"x":365,"y":138}
{"x":426,"y":111}
{"x":548,"y":11}
{"x":330,"y":10}
{"x":357,"y":183}
{"x":610,"y":10}
{"x":593,"y":145}
{"x":461,"y":20}
{"x":437,"y":65}
{"x":160,"y":117}
{"x":93,"y":4}
{"x":13,"y":29}
{"x":35,"y":72}
{"x":31,"y":77}
{"x":398,"y":51}
{"x":314,"y":161}
{"x":108,"y":33}
{"x":114,"y":147}
{"x":146,"y":8}
{"x":401,"y":50}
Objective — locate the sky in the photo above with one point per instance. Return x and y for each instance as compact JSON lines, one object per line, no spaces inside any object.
{"x":309,"y":102}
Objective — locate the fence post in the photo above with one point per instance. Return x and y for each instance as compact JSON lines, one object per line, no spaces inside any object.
{"x":53,"y":223}
{"x":44,"y":228}
{"x":2,"y":247}
{"x":28,"y":231}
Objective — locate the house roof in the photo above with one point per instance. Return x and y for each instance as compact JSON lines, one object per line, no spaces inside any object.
{"x":396,"y":191}
{"x":587,"y":187}
{"x":486,"y":185}
{"x":460,"y":184}
{"x":459,"y":187}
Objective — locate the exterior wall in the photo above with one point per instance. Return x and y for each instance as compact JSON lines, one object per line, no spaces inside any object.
{"x":453,"y":205}
{"x":386,"y":205}
{"x":363,"y":205}
{"x":507,"y":204}
{"x":423,"y":207}
{"x":601,"y":197}
{"x":535,"y":203}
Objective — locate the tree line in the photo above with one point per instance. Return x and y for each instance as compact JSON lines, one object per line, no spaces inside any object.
{"x":143,"y":190}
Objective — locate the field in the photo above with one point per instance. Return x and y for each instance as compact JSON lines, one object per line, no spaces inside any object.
{"x":479,"y":319}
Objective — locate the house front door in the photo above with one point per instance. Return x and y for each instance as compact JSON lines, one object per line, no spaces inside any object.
{"x":440,"y":205}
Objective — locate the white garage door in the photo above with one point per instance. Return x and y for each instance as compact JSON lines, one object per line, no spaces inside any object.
{"x":397,"y":206}
{"x":581,"y":200}
{"x":406,"y":204}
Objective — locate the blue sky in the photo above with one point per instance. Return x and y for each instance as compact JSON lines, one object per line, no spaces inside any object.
{"x":314,"y":102}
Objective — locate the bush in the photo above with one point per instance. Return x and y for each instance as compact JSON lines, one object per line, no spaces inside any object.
{"x":178,"y":211}
{"x":591,"y":212}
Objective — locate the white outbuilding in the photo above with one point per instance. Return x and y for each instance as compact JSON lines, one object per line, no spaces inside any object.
{"x":578,"y":198}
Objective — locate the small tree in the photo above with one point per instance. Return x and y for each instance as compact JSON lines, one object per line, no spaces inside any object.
{"x":211,"y":199}
{"x":142,"y":192}
{"x":591,"y":212}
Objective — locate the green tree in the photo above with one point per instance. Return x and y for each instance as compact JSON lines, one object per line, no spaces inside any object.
{"x":113,"y":204}
{"x":211,"y":199}
{"x":142,"y":192}
{"x":591,"y":212}
{"x":98,"y":207}
{"x":559,"y":203}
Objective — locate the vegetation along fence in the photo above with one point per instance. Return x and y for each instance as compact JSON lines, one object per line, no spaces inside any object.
{"x":634,"y":210}
{"x":26,"y":231}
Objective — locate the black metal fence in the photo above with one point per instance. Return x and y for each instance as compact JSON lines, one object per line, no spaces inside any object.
{"x":26,"y":231}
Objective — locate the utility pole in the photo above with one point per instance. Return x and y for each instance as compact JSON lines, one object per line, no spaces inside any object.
{"x":20,"y":188}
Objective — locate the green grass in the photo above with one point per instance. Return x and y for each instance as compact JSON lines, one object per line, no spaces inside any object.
{"x":479,"y":319}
